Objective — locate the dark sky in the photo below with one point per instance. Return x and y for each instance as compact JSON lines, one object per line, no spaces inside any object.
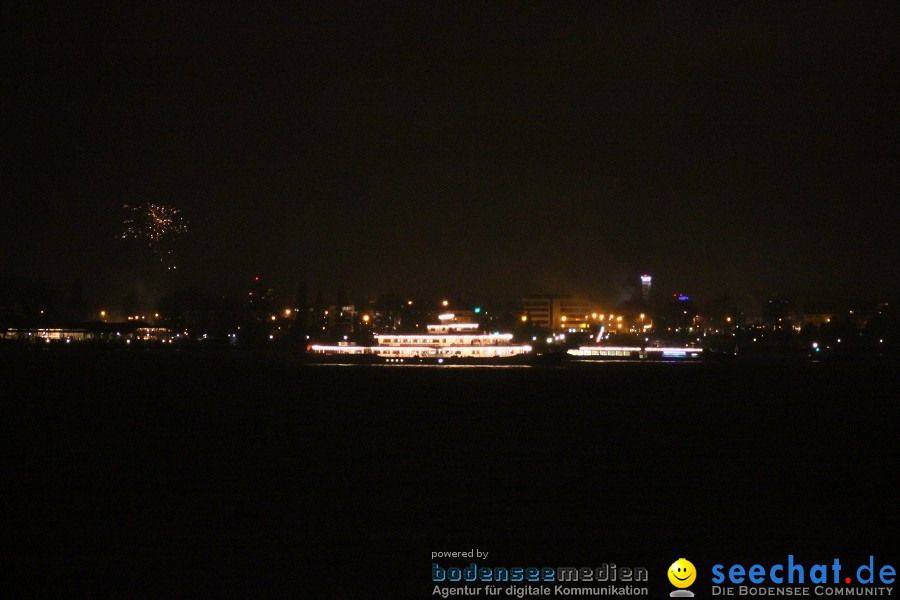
{"x":500,"y":148}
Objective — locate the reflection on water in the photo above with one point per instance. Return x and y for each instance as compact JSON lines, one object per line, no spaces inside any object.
{"x":420,"y":366}
{"x":581,"y":362}
{"x":634,"y":361}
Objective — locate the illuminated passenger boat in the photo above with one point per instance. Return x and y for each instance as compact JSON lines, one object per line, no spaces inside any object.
{"x":635,"y":353}
{"x":445,"y":343}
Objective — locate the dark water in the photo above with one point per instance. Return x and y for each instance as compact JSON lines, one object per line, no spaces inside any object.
{"x":149,"y":475}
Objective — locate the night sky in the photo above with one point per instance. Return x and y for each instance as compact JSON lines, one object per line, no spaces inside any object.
{"x":498,"y":149}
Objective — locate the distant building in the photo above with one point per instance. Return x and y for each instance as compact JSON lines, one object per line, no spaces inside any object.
{"x":816,"y":316}
{"x":538,"y":311}
{"x":780,"y":314}
{"x":342,"y":319}
{"x":94,"y":331}
{"x":562,"y":312}
{"x":646,"y":283}
{"x":262,"y":299}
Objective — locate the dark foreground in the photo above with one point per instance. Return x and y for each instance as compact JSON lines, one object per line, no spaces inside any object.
{"x":147,"y":475}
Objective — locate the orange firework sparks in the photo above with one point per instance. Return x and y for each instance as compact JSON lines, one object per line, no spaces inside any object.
{"x":156,"y":225}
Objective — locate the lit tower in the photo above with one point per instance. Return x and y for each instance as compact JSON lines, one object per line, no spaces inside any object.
{"x":646,"y":282}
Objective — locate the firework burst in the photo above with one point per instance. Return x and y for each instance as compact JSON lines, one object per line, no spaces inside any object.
{"x":156,"y":225}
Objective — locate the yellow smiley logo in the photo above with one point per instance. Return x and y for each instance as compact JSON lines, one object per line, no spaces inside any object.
{"x":682,"y":573}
